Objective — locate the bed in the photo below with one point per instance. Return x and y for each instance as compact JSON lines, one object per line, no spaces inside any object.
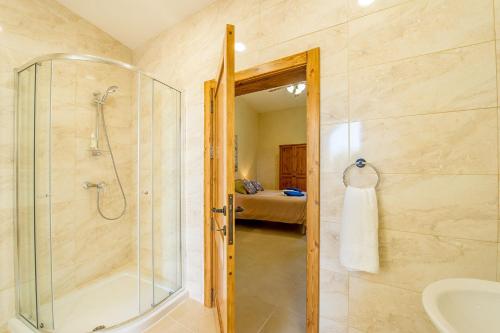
{"x":272,"y":205}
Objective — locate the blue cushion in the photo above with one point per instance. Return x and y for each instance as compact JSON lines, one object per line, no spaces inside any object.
{"x":294,"y":193}
{"x":296,"y":189}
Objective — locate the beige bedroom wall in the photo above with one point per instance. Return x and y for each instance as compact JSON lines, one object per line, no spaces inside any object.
{"x":408,"y":84}
{"x":31,"y":28}
{"x":277,"y":128}
{"x":259,"y":136}
{"x":247,"y":130}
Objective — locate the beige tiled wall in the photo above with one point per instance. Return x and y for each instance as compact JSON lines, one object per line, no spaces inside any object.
{"x":31,"y":28}
{"x":86,"y":246}
{"x":411,"y":85}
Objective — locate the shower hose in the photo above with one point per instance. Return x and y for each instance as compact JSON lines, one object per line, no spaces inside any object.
{"x":116,"y":176}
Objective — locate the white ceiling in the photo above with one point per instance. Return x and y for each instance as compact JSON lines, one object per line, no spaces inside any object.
{"x":274,"y":100}
{"x":133,"y":22}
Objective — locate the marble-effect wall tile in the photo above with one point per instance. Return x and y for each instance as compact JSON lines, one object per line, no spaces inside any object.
{"x":418,"y":27}
{"x":412,"y":261}
{"x":457,"y":79}
{"x":379,"y":308}
{"x":462,"y":206}
{"x":429,"y":144}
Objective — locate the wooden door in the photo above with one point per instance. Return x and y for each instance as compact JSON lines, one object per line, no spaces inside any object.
{"x":223,"y":186}
{"x":285,"y":71}
{"x":301,"y":167}
{"x":286,"y":166}
{"x":293,"y":166}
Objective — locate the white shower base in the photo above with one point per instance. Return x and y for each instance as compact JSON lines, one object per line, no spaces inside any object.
{"x":110,"y":301}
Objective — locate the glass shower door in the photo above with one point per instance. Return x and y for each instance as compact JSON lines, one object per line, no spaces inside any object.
{"x":43,"y":225}
{"x":34,"y":273}
{"x":26,"y":272}
{"x":166,"y":191}
{"x":160,"y":194}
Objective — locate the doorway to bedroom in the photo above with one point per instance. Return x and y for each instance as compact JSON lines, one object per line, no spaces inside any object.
{"x":270,"y":209}
{"x":220,"y":208}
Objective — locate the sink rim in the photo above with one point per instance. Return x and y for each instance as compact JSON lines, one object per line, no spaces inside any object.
{"x":434,"y":290}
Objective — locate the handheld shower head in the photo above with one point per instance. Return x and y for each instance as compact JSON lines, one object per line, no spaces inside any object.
{"x":110,"y":90}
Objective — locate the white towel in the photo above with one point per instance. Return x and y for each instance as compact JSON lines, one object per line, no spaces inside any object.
{"x":359,"y":230}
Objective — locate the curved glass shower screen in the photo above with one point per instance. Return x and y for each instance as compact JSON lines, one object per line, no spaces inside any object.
{"x":98,"y":193}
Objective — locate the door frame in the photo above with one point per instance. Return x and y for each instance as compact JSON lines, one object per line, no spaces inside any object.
{"x":304,"y":66}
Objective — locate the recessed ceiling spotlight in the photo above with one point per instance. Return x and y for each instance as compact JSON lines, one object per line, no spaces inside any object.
{"x":365,"y":3}
{"x":1,"y":28}
{"x":240,"y":47}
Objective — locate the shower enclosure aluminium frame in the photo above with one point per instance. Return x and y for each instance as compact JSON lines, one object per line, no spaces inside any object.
{"x":179,"y":294}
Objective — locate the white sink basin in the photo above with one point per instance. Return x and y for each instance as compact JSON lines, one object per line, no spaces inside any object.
{"x":463,"y":305}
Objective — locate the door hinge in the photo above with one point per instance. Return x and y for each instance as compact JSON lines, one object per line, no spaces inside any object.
{"x":212,"y":100}
{"x":211,"y":152}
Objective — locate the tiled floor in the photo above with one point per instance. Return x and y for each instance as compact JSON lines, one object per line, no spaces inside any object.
{"x":270,"y":278}
{"x":270,"y":285}
{"x":188,"y":317}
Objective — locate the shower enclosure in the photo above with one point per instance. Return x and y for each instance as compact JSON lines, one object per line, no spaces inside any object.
{"x":98,"y":193}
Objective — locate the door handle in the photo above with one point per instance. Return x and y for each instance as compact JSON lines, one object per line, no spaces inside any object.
{"x":223,"y":229}
{"x":239,"y":209}
{"x":219,"y":210}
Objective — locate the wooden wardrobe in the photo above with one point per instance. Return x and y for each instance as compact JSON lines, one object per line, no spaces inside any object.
{"x":293,"y":166}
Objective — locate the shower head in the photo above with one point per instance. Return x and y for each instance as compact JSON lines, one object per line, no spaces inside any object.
{"x":110,"y":90}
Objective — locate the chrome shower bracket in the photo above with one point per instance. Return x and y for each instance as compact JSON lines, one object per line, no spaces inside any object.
{"x":99,"y":186}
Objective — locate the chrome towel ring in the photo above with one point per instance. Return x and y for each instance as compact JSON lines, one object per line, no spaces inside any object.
{"x":360,"y":163}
